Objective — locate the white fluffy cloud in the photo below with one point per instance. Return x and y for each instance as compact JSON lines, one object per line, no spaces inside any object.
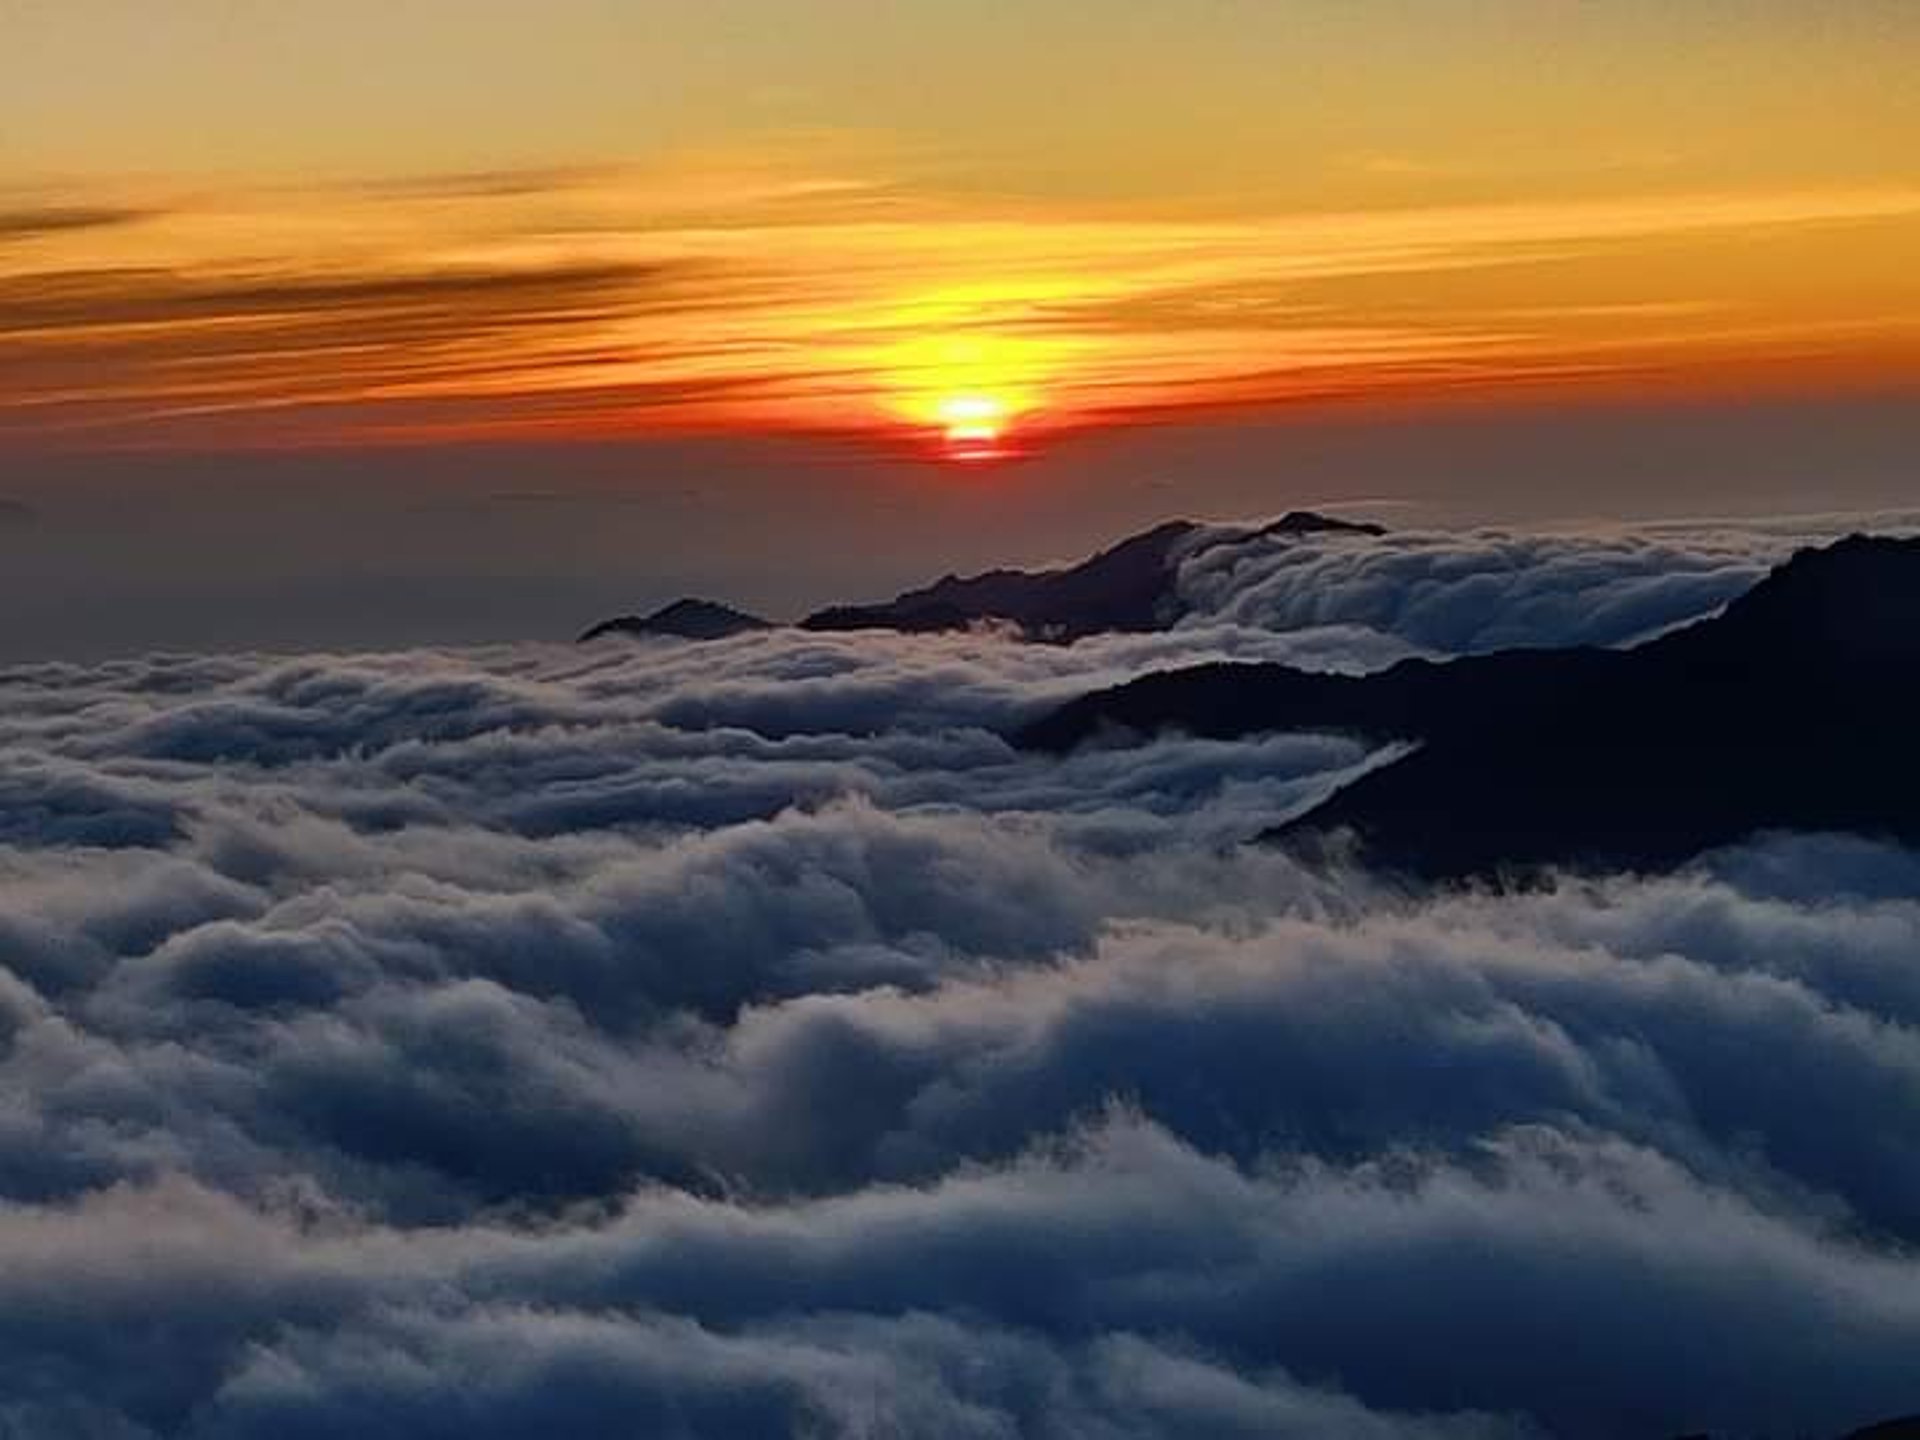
{"x":1451,"y":592}
{"x":743,"y":1039}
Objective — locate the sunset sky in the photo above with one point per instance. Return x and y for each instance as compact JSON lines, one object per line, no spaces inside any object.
{"x":903,"y":234}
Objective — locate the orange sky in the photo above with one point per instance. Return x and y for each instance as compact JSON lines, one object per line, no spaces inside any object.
{"x":342,"y":224}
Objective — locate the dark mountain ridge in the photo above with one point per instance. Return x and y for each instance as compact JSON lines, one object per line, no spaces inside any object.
{"x":684,"y":619}
{"x":1128,"y":587}
{"x":1797,"y":707}
{"x":1124,"y":587}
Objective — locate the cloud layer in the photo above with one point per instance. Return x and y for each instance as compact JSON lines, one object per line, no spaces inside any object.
{"x":741,"y":1039}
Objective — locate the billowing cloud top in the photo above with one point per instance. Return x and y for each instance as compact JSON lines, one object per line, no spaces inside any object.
{"x":743,"y":1039}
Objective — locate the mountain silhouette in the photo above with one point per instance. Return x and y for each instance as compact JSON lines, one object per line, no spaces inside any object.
{"x":684,"y":619}
{"x":1129,"y":586}
{"x":1907,"y":1427}
{"x":1797,"y":707}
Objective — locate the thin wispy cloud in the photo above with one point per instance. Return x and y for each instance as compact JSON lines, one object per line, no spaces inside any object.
{"x":605,"y":300}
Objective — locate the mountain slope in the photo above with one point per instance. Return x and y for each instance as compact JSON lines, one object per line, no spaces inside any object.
{"x":1796,"y":708}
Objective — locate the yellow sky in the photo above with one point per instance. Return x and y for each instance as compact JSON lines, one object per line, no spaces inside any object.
{"x":309,"y":224}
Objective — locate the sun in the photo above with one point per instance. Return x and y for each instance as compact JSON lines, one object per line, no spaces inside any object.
{"x":968,"y":396}
{"x":975,"y":425}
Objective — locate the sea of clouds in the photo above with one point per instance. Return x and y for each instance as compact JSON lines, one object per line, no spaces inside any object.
{"x":741,"y":1039}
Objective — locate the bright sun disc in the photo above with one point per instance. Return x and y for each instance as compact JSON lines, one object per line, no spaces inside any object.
{"x":973,"y":417}
{"x":974,"y":425}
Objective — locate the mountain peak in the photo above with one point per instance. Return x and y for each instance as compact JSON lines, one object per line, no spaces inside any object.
{"x":688,"y":618}
{"x":1130,"y":585}
{"x":1312,"y":522}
